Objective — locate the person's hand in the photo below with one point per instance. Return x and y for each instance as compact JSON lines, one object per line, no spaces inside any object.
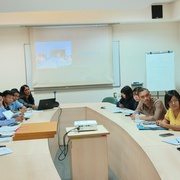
{"x":161,"y":123}
{"x":35,"y":107}
{"x":121,"y":106}
{"x":157,"y":122}
{"x":19,"y":118}
{"x":133,"y":116}
{"x":29,"y":109}
{"x":23,"y":110}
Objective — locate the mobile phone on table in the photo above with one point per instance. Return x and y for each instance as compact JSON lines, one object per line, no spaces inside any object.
{"x":166,"y":134}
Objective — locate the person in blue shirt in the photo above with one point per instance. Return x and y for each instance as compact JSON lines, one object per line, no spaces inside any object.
{"x":127,"y":100}
{"x":7,"y":99}
{"x":16,"y":105}
{"x":3,"y":120}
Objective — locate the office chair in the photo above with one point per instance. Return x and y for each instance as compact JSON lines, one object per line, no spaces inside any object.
{"x":110,"y":100}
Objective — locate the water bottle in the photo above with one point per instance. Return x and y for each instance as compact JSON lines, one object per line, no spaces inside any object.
{"x":137,"y":116}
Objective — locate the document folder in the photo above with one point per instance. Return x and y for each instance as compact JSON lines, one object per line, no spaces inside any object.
{"x":141,"y":127}
{"x":36,"y":131}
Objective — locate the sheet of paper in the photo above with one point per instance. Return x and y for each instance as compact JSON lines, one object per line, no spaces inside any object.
{"x":149,"y":122}
{"x":28,"y":114}
{"x":112,"y":108}
{"x":125,"y":111}
{"x":118,"y":110}
{"x":150,"y":125}
{"x":7,"y":133}
{"x":37,"y":111}
{"x":8,"y":114}
{"x":6,"y":139}
{"x":5,"y":150}
{"x":9,"y":128}
{"x":138,"y":121}
{"x":16,"y":114}
{"x":174,"y":141}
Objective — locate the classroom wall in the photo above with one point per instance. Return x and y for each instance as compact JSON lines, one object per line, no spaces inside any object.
{"x":171,"y":11}
{"x":12,"y":56}
{"x":135,"y":40}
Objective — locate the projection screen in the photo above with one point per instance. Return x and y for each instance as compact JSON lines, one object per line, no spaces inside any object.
{"x":71,"y":56}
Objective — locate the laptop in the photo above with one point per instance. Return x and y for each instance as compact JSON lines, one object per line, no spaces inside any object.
{"x":46,"y":104}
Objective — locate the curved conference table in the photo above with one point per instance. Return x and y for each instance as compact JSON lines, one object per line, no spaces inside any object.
{"x":132,"y":153}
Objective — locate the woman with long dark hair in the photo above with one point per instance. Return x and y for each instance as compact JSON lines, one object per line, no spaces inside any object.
{"x":127,"y":100}
{"x":26,"y":97}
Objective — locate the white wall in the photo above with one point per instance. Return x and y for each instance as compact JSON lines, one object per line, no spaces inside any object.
{"x":12,"y":56}
{"x":135,"y":40}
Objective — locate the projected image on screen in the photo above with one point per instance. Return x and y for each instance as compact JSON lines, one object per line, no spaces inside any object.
{"x":53,"y":54}
{"x":71,"y":56}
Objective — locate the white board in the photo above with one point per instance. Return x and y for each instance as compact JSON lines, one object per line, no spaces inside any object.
{"x":116,"y":63}
{"x":160,"y":71}
{"x":28,"y":65}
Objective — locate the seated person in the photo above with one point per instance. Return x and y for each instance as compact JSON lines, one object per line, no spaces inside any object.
{"x":16,"y":105}
{"x":135,"y":95}
{"x":152,"y":108}
{"x":127,"y":100}
{"x":172,"y":117}
{"x":3,"y":120}
{"x":26,"y":97}
{"x":7,"y":99}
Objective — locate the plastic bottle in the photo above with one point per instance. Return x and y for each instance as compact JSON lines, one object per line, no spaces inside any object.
{"x":137,"y":116}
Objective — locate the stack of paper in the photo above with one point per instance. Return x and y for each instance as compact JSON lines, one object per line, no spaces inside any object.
{"x":6,"y":132}
{"x":9,"y":128}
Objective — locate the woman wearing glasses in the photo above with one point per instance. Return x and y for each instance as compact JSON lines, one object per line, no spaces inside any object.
{"x":172,"y":117}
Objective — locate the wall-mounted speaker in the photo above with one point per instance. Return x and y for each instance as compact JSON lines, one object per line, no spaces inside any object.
{"x":157,"y":11}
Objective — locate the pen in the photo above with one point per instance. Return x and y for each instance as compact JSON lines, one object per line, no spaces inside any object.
{"x":2,"y":146}
{"x":177,"y":140}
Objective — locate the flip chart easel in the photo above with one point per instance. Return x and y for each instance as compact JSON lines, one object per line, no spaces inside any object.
{"x":160,"y":71}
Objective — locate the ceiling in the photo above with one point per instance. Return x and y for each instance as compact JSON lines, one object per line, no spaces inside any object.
{"x":163,"y":1}
{"x":75,"y":5}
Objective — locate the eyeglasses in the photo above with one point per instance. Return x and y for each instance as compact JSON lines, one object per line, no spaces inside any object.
{"x":173,"y":102}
